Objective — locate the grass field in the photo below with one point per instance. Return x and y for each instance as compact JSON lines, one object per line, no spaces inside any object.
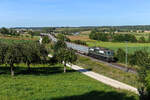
{"x":108,"y":71}
{"x":45,"y":82}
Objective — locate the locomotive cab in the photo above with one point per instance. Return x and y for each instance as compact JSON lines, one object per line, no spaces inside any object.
{"x":101,"y":53}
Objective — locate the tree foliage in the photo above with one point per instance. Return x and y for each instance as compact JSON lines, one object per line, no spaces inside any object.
{"x":142,"y":59}
{"x":121,"y":55}
{"x":6,"y":31}
{"x":98,"y":36}
{"x":13,"y":56}
{"x":16,"y":53}
{"x":63,"y":54}
{"x":103,"y":36}
{"x":3,"y":50}
{"x":142,"y":39}
{"x":46,"y":40}
{"x":124,"y":37}
{"x":59,"y":44}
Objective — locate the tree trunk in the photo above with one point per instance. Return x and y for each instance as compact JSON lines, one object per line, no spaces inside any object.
{"x":64,"y":67}
{"x":12,"y":70}
{"x":28,"y":66}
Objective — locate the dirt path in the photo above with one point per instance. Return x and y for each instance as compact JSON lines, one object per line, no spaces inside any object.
{"x":104,"y":79}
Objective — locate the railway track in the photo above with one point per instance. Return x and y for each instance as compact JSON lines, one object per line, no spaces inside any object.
{"x":114,"y":65}
{"x":85,"y":49}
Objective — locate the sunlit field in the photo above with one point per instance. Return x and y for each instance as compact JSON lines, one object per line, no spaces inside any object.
{"x":48,"y":82}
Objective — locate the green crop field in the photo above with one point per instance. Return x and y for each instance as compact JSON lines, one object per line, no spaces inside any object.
{"x":47,"y":82}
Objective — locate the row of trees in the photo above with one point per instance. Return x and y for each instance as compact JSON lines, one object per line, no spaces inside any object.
{"x":80,"y":42}
{"x":95,"y":35}
{"x":139,"y":28}
{"x":133,"y":59}
{"x":27,"y":53}
{"x":6,"y":31}
{"x":124,"y":37}
{"x":101,"y":36}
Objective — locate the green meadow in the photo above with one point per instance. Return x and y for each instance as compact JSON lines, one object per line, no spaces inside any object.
{"x":48,"y":82}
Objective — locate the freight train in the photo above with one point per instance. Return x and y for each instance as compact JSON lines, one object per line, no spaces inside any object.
{"x":95,"y":52}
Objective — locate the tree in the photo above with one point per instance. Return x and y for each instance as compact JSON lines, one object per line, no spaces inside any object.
{"x":46,"y":40}
{"x":149,"y":38}
{"x":132,"y":60}
{"x":13,"y":32}
{"x":13,"y":55}
{"x":31,"y":33}
{"x":4,"y":31}
{"x":148,"y":85}
{"x":65,"y":56}
{"x":3,"y":50}
{"x":142,"y":59}
{"x":30,"y":54}
{"x":59,"y":44}
{"x":142,"y":39}
{"x":34,"y":53}
{"x":121,"y":55}
{"x":96,"y":35}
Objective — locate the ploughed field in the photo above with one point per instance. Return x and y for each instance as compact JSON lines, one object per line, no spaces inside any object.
{"x":48,"y":82}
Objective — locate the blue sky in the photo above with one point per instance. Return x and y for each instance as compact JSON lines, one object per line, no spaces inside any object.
{"x":73,"y":12}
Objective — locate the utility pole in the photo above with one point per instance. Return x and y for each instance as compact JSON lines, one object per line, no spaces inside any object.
{"x":126,"y":60}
